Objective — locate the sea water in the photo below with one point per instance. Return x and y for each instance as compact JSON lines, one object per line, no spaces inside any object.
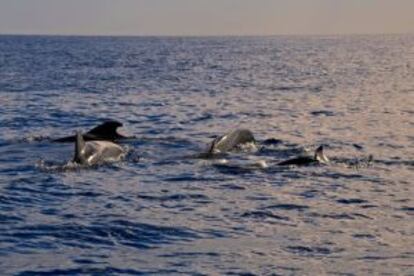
{"x":162,"y":211}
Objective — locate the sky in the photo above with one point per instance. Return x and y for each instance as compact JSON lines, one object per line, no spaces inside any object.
{"x":205,"y":17}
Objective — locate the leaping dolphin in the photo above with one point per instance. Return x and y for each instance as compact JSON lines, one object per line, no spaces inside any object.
{"x":318,"y":158}
{"x":96,"y":152}
{"x":106,"y":131}
{"x":231,"y":141}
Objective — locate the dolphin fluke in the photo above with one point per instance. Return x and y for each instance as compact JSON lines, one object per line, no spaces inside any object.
{"x":106,"y":131}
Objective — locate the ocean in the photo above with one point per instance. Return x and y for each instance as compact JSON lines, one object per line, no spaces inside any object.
{"x":161,"y":211}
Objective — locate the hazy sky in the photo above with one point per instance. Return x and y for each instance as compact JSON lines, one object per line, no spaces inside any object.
{"x":205,"y":17}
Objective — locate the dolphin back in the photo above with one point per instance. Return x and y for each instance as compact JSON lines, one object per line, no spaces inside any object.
{"x":318,"y":158}
{"x":232,"y":140}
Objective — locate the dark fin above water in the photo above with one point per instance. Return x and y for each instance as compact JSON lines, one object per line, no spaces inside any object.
{"x":212,"y":146}
{"x":79,"y":145}
{"x":318,"y":158}
{"x":105,"y":131}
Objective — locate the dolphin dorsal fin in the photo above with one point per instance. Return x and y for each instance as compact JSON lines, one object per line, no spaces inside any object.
{"x":79,"y":146}
{"x":106,"y":129}
{"x":213,"y":145}
{"x":320,"y":156}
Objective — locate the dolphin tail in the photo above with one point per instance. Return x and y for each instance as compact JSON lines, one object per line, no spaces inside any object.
{"x":79,"y":146}
{"x":320,"y":156}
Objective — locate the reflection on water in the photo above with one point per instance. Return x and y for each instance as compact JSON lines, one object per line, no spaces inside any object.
{"x":159,"y":211}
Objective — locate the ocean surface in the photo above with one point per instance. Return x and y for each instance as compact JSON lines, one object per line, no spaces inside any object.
{"x":162,"y":211}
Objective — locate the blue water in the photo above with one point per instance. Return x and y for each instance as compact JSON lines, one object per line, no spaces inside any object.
{"x":161,"y":212}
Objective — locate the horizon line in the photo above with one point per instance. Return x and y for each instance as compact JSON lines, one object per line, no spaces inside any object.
{"x":204,"y":35}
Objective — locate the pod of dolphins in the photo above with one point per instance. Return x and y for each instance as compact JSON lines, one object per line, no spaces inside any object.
{"x":99,"y":145}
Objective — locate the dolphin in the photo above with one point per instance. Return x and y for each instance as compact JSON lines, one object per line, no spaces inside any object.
{"x":96,"y":152}
{"x":105,"y":131}
{"x":231,"y":141}
{"x":318,"y":158}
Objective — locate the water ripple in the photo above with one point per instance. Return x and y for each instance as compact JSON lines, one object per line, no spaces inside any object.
{"x":166,"y":210}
